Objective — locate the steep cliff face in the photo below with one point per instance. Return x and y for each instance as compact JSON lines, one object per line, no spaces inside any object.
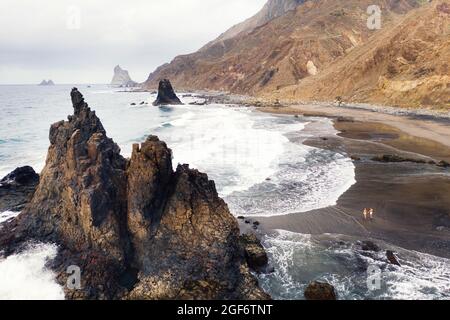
{"x":327,"y":42}
{"x":122,"y":78}
{"x":136,"y":228}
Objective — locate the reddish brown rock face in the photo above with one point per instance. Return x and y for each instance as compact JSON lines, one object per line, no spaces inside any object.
{"x":136,"y":228}
{"x":320,"y":291}
{"x":319,"y":50}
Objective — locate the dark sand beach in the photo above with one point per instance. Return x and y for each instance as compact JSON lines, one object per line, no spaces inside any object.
{"x":411,"y":200}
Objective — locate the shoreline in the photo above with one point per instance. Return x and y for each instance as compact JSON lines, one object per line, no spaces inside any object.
{"x":435,"y":129}
{"x":410,"y":199}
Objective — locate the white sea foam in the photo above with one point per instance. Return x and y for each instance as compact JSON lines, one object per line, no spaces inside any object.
{"x":182,"y":120}
{"x":224,"y":142}
{"x":7,"y":215}
{"x":299,"y":259}
{"x":303,"y":178}
{"x":24,"y":276}
{"x":256,"y":166}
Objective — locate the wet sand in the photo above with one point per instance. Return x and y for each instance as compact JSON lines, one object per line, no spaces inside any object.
{"x":411,"y":200}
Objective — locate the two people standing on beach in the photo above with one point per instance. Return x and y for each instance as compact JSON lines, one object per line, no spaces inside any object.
{"x":368,"y":214}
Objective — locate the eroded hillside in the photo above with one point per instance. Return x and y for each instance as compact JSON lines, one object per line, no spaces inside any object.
{"x":323,"y":49}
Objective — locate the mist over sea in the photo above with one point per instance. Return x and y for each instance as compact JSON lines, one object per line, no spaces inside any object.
{"x":256,"y":166}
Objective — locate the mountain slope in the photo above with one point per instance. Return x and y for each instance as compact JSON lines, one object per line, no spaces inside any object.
{"x":293,"y":55}
{"x":271,"y":10}
{"x":405,"y":65}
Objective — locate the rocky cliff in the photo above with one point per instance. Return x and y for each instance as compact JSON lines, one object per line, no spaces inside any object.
{"x":324,"y":49}
{"x":136,"y":228}
{"x":122,"y":78}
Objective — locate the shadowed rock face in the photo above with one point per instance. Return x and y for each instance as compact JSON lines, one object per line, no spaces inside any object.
{"x":17,"y":188}
{"x":166,"y":94}
{"x":136,"y":228}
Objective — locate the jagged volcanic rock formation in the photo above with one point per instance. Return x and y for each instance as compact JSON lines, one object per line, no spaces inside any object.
{"x":122,"y":78}
{"x":136,"y":228}
{"x":166,"y":94}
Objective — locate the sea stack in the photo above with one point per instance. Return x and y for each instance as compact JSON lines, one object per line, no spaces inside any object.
{"x":122,"y":78}
{"x":166,"y":94}
{"x":136,"y":228}
{"x":47,"y":83}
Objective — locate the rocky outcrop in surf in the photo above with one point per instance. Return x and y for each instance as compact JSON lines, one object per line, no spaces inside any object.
{"x":17,"y":188}
{"x":136,"y":228}
{"x":166,"y":94}
{"x":255,"y":254}
{"x":122,"y":78}
{"x":320,"y":291}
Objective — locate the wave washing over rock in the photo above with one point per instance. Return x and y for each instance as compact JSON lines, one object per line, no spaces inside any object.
{"x":136,"y":228}
{"x":343,"y":261}
{"x":25,"y":275}
{"x":7,"y":215}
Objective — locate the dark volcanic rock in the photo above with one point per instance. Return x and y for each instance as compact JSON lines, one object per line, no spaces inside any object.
{"x":369,"y":246}
{"x":443,"y":164}
{"x":320,"y":291}
{"x":17,"y":188}
{"x":199,"y":103}
{"x":166,"y":94}
{"x":392,"y":258}
{"x":254,"y":252}
{"x":395,"y":158}
{"x":21,"y":176}
{"x":136,"y":228}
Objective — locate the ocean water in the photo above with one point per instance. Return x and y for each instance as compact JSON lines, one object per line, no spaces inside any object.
{"x":250,"y":156}
{"x":258,"y":169}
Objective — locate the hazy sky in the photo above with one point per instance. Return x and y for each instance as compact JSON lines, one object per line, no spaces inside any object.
{"x":80,"y":41}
